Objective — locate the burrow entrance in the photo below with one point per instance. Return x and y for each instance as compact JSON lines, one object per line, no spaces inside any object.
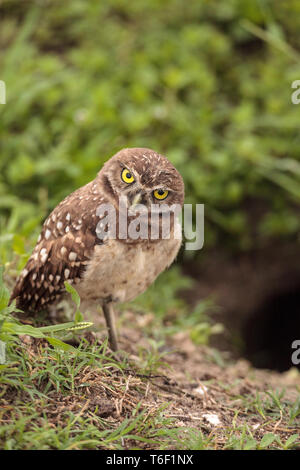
{"x":258,"y":295}
{"x":269,"y":332}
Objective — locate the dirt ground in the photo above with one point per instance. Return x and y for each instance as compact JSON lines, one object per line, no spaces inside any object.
{"x":206,"y":395}
{"x":198,"y":389}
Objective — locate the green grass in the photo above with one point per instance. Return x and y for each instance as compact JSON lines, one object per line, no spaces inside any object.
{"x":49,"y":383}
{"x":55,"y":395}
{"x":54,"y":399}
{"x":209,"y":85}
{"x":43,"y":381}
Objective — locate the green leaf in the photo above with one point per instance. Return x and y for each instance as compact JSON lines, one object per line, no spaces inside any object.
{"x":78,"y":317}
{"x":15,"y":329}
{"x":72,"y":325}
{"x":293,"y":438}
{"x":57,"y":343}
{"x":267,"y":440}
{"x":74,"y":294}
{"x":54,"y":328}
{"x":4,"y":293}
{"x":250,"y":444}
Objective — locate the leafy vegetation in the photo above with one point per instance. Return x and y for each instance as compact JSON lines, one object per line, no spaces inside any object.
{"x":10,"y":327}
{"x":208,"y":83}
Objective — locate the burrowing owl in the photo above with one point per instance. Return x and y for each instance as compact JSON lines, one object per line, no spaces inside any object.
{"x":113,"y":267}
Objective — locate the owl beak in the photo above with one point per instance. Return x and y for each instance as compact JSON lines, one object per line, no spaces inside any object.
{"x":137,"y":199}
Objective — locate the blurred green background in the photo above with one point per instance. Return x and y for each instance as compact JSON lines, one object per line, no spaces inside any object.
{"x":207,"y":83}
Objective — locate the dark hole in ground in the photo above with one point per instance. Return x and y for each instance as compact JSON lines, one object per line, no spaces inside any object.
{"x":269,"y":332}
{"x":258,"y":295}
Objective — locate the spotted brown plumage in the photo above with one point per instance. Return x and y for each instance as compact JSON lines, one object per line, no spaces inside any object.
{"x":62,"y":252}
{"x":110,"y":269}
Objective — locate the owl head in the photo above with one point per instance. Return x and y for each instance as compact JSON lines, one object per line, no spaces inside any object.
{"x":142,"y":176}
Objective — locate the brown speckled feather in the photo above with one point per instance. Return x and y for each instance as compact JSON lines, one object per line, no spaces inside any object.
{"x":62,"y":252}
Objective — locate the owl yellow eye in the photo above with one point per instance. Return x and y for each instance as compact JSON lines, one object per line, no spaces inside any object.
{"x":160,"y":194}
{"x":126,"y":176}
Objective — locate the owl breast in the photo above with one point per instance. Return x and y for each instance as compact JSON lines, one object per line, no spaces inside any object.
{"x":123,"y":271}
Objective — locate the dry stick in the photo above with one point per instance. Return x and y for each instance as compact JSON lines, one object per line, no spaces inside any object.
{"x":126,"y":390}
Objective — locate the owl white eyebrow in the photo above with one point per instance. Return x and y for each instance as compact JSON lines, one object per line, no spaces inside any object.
{"x":124,"y":166}
{"x":164,"y":188}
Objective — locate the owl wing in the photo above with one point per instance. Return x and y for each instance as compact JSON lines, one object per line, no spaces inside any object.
{"x":63,"y":251}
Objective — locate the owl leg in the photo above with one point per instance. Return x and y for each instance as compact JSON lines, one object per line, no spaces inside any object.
{"x":109,"y":315}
